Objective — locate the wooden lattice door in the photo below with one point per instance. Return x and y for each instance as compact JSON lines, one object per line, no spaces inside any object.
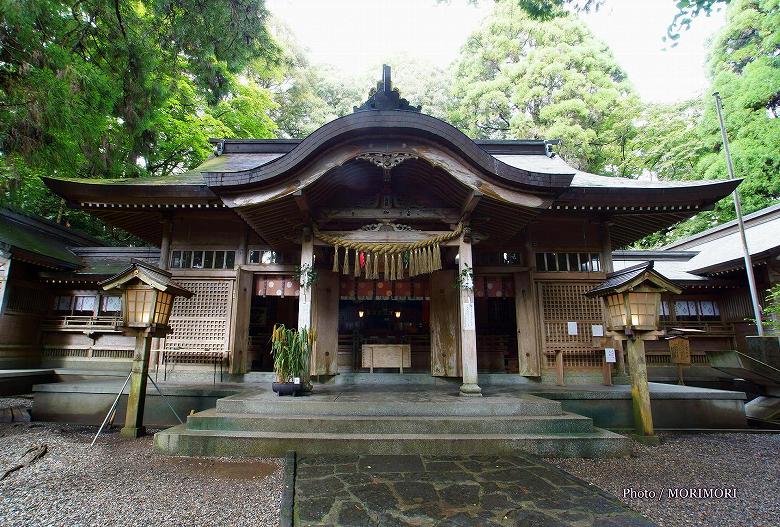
{"x":561,"y":303}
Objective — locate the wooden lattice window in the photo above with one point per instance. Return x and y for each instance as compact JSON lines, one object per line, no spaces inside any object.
{"x":202,"y":321}
{"x":568,"y":262}
{"x":203,"y":259}
{"x":563,"y":302}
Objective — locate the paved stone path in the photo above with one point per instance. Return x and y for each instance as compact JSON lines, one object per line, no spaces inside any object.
{"x":420,"y":490}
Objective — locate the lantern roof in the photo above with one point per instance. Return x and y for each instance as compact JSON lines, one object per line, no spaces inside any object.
{"x":150,"y":275}
{"x":630,"y":277}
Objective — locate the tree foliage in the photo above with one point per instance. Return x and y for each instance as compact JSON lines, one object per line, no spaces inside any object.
{"x":687,"y":11}
{"x":745,"y":70}
{"x":124,"y":89}
{"x":520,"y":78}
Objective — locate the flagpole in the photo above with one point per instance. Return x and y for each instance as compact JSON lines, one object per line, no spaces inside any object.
{"x":738,"y":208}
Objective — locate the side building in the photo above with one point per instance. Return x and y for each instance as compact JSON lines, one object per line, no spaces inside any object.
{"x":52,"y":313}
{"x":710,"y":268}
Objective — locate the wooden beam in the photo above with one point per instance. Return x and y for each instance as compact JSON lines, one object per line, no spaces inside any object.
{"x":470,"y":204}
{"x":394,"y":237}
{"x":387,"y":236}
{"x":303,"y":205}
{"x":443,"y":215}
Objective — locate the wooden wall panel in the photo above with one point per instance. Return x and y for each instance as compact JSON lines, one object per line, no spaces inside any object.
{"x":445,"y":326}
{"x":325,"y":318}
{"x":528,"y":348}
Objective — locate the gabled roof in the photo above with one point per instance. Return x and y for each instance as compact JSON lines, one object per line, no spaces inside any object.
{"x":380,"y":125}
{"x":673,"y":265}
{"x":40,"y":241}
{"x":720,"y":248}
{"x":693,"y":260}
{"x":767,"y":214}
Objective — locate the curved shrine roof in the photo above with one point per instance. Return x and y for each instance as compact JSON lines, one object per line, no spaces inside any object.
{"x":522,"y":167}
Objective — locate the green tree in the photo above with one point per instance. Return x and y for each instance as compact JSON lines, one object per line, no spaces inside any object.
{"x":123,"y":89}
{"x":306,"y":95}
{"x":687,"y":11}
{"x":669,"y":143}
{"x":520,"y":78}
{"x":745,"y":70}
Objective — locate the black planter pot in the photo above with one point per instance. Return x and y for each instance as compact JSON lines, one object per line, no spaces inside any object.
{"x":287,"y":388}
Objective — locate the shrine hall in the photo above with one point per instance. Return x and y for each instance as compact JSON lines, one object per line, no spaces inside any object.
{"x":386,"y":210}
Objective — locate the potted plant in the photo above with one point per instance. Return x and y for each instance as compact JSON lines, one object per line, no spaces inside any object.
{"x":291,"y":350}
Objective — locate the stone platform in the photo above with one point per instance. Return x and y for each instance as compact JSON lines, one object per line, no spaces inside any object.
{"x":389,"y":419}
{"x":85,"y":401}
{"x":13,"y":382}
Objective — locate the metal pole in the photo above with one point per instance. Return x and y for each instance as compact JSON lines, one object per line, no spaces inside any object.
{"x":165,"y":399}
{"x":738,"y":208}
{"x":110,"y":410}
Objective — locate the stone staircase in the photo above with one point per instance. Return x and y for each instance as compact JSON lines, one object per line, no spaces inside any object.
{"x":389,"y":420}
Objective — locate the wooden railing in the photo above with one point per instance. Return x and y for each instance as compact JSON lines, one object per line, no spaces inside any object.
{"x":711,"y":328}
{"x":107,"y":324}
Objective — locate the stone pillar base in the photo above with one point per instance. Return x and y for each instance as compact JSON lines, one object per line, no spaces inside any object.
{"x":646,"y":440}
{"x":132,"y":432}
{"x":621,"y":379}
{"x":470,"y":390}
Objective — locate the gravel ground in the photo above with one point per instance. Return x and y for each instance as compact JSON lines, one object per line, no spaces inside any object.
{"x":120,"y":482}
{"x":17,"y":402}
{"x":746,"y":462}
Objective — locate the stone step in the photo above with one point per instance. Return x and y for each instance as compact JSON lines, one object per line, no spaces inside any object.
{"x":440,"y":405}
{"x":180,"y":441}
{"x":511,"y":424}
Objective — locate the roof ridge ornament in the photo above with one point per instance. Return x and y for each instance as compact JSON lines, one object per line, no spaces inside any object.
{"x":385,"y":97}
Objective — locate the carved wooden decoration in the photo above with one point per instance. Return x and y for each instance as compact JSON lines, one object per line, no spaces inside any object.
{"x":386,"y":160}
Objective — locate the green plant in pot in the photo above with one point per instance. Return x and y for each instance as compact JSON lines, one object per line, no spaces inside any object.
{"x":291,"y":350}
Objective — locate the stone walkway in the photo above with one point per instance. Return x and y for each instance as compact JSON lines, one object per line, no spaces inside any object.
{"x":421,"y":490}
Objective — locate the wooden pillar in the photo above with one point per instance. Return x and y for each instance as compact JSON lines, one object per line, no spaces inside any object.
{"x":165,"y":244}
{"x":163,"y":263}
{"x":134,"y":418}
{"x":304,"y":300}
{"x":468,"y":333}
{"x":242,"y":254}
{"x":445,"y":325}
{"x":242,"y":306}
{"x":325,"y":320}
{"x":606,"y":248}
{"x":5,"y":274}
{"x":620,"y":351}
{"x":608,"y":267}
{"x":640,"y":391}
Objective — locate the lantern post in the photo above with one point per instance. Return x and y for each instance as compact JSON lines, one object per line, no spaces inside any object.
{"x":147,"y":301}
{"x":631,"y":299}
